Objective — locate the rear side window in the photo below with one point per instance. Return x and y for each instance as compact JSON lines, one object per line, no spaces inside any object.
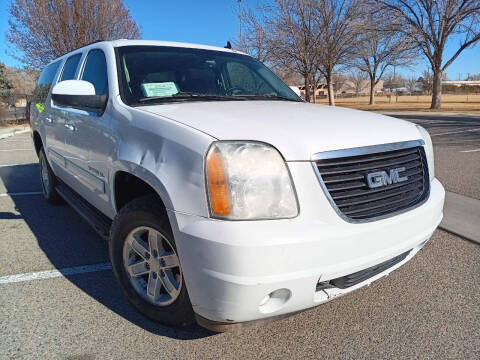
{"x":70,"y":66}
{"x":44,"y":83}
{"x":95,"y":71}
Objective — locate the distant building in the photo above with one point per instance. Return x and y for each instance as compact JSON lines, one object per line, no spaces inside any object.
{"x":346,"y":87}
{"x":461,"y":82}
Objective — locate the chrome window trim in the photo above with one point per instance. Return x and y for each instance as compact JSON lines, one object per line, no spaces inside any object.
{"x":364,"y":151}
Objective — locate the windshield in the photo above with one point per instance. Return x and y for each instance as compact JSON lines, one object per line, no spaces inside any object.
{"x":156,"y":74}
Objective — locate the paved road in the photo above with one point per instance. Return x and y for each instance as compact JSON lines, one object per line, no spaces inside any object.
{"x":429,"y":308}
{"x":456,"y":141}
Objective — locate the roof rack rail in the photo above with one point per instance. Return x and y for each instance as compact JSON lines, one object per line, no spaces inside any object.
{"x":90,"y":43}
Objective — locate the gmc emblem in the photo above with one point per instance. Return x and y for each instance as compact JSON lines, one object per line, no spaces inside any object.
{"x":382,"y":178}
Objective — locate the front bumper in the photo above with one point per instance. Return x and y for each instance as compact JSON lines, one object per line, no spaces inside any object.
{"x":230,"y":267}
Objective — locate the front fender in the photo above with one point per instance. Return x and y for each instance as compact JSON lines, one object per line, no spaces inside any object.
{"x":144,"y":175}
{"x":174,"y":171}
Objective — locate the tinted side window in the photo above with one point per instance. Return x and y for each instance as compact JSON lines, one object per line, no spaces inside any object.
{"x":70,"y":66}
{"x":44,"y":83}
{"x":95,"y":71}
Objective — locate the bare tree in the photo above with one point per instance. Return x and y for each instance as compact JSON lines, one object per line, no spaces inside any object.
{"x":358,"y":81}
{"x":431,"y":24}
{"x":5,"y":82}
{"x":252,"y":39}
{"x":474,"y":77}
{"x":23,"y":80}
{"x":283,"y":34}
{"x":294,"y":37}
{"x":288,"y":76}
{"x":411,"y":84}
{"x":339,"y":82}
{"x":426,"y":81}
{"x":335,"y":21}
{"x":394,"y":81}
{"x":380,"y":45}
{"x":45,"y":29}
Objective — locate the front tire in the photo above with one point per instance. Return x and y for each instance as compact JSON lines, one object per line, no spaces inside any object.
{"x":48,"y":180}
{"x":145,"y":262}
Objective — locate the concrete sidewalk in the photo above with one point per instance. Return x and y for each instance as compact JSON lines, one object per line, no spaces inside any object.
{"x":12,"y":130}
{"x":462,"y":216}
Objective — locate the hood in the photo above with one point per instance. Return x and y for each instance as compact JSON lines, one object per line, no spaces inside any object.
{"x":298,"y":130}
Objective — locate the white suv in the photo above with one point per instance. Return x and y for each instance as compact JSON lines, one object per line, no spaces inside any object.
{"x":224,"y":197}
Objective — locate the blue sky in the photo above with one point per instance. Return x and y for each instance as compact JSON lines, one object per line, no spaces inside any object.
{"x":213,"y":22}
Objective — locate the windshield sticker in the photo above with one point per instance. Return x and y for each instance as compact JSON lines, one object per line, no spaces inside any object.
{"x":159,"y":89}
{"x":40,"y":107}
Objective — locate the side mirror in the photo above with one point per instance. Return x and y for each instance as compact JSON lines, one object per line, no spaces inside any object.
{"x":78,"y":94}
{"x":296,"y":90}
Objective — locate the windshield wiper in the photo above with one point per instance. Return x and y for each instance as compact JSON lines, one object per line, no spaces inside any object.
{"x":181,"y":96}
{"x":268,"y":97}
{"x":190,"y":96}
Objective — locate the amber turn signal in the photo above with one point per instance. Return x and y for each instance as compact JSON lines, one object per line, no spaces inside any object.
{"x":217,"y":184}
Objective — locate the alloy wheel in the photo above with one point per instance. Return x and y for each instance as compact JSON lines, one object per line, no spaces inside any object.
{"x":152,"y":266}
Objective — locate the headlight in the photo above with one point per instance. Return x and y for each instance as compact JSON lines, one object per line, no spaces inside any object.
{"x":428,"y":151}
{"x":248,"y":180}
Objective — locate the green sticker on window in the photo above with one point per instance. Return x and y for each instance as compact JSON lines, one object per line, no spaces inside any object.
{"x":40,"y":107}
{"x":159,"y":89}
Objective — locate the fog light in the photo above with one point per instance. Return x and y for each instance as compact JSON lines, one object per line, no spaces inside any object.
{"x":265,"y":300}
{"x":274,"y":301}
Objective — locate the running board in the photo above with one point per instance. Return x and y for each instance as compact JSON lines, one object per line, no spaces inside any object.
{"x":95,"y":218}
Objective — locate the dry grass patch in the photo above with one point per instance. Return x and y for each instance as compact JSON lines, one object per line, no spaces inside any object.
{"x":421,"y":102}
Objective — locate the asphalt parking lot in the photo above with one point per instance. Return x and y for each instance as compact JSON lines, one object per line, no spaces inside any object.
{"x":65,"y":303}
{"x":456,"y":139}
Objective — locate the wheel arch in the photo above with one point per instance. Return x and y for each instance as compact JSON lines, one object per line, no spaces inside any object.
{"x":37,"y":141}
{"x":131,"y":181}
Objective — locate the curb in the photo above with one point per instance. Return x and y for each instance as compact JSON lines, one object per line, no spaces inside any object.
{"x":14,"y":132}
{"x":462,"y":216}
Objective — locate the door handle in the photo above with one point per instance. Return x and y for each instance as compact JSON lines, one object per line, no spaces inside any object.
{"x":49,"y":120}
{"x":70,"y":127}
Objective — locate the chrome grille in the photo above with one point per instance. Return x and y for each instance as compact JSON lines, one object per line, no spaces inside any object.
{"x":345,"y":183}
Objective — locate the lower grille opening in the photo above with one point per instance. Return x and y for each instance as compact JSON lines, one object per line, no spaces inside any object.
{"x":359,"y":276}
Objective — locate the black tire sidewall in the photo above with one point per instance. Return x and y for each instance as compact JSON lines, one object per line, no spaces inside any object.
{"x":49,"y":192}
{"x":133,"y":215}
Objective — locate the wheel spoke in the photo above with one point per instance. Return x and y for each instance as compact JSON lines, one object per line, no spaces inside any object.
{"x":138,"y":245}
{"x":137,"y":269}
{"x":153,"y":286}
{"x":170,"y":283}
{"x":170,"y":259}
{"x":153,"y":241}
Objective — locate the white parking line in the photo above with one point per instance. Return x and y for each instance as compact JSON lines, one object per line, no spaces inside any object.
{"x":455,"y":132}
{"x":469,"y":151}
{"x":22,"y":193}
{"x":54,"y":273}
{"x":7,"y":165}
{"x":17,"y":150}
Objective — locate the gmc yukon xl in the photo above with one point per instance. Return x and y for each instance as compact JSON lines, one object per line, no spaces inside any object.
{"x":225,"y":198}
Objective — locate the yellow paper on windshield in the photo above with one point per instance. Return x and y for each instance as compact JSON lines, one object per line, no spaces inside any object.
{"x":159,"y":89}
